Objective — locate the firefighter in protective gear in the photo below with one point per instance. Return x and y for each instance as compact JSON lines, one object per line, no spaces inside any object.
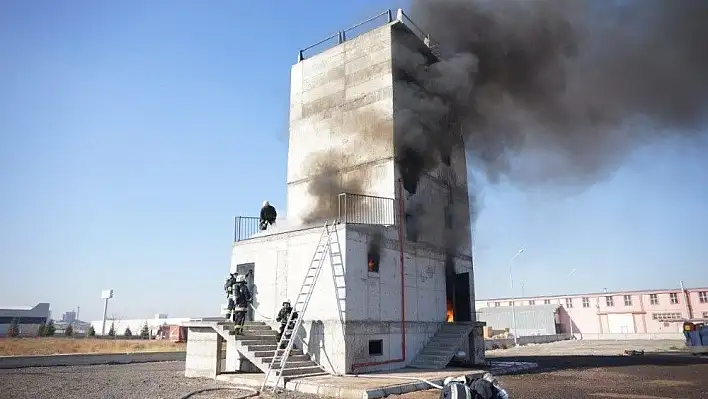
{"x":229,"y":285}
{"x":283,"y":316}
{"x":241,"y":299}
{"x":268,"y":215}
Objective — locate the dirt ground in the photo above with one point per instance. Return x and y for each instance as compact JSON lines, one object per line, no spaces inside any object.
{"x":53,"y":346}
{"x":649,"y":376}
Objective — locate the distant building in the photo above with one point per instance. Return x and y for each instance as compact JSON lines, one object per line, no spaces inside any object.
{"x":655,"y":312}
{"x":69,"y":317}
{"x":136,"y":325}
{"x":29,"y":318}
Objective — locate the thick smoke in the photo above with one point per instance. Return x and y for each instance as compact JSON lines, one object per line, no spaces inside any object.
{"x":552,"y":90}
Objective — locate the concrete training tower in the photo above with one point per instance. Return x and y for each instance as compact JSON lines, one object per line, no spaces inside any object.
{"x":402,"y":278}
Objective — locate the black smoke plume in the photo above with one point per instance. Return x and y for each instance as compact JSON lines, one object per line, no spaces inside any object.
{"x":557,"y":91}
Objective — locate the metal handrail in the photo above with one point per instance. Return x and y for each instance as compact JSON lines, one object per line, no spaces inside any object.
{"x":245,"y":227}
{"x":367,"y":209}
{"x":342,"y":34}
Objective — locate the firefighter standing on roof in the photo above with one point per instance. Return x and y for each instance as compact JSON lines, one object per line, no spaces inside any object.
{"x":268,"y":215}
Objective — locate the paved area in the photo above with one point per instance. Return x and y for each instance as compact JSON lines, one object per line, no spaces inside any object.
{"x":579,"y":347}
{"x":372,"y":385}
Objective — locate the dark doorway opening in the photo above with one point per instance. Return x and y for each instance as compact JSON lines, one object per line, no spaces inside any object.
{"x":247,"y":270}
{"x":461,"y":301}
{"x":457,"y":293}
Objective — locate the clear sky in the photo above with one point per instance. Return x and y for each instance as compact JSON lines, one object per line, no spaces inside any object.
{"x":132,"y":132}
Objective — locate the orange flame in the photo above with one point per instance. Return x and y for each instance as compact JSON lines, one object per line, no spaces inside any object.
{"x":450,"y":312}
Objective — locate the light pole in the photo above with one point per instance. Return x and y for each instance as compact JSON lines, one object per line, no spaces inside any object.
{"x":513,"y":300}
{"x":105,"y":295}
{"x":570,"y":319}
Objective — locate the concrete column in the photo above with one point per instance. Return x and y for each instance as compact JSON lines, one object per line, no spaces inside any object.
{"x":233,"y":358}
{"x":203,"y":353}
{"x":477,"y":345}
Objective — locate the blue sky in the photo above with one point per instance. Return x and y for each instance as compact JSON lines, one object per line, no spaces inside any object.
{"x":132,"y":132}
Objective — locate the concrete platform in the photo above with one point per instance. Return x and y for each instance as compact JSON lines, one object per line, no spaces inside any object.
{"x":363,"y":386}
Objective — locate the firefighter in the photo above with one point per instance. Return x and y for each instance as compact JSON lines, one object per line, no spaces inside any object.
{"x":229,"y":285}
{"x":283,"y":317}
{"x":242,"y":297}
{"x":268,"y":215}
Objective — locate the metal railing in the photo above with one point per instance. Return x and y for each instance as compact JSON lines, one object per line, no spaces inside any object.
{"x":343,"y":35}
{"x":367,"y":209}
{"x":245,"y":227}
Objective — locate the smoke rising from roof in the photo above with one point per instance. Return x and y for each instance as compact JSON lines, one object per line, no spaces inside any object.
{"x":566,"y":87}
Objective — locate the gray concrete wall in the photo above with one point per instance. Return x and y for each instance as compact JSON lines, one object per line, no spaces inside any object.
{"x":204,"y":352}
{"x":281,"y":262}
{"x":341,"y":124}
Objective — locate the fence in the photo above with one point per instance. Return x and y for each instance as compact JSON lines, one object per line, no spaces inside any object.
{"x":344,"y":35}
{"x":245,"y":227}
{"x":367,"y":209}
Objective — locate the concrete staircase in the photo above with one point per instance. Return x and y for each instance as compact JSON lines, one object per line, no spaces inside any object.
{"x":443,"y":346}
{"x":258,"y":343}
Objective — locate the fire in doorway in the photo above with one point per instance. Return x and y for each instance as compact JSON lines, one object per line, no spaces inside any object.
{"x":450,"y":312}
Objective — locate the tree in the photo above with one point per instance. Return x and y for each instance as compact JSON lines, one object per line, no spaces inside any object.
{"x":145,"y":332}
{"x":127,"y":332}
{"x":41,"y":330}
{"x":14,"y":329}
{"x":69,"y":331}
{"x":112,"y":330}
{"x":91,"y":332}
{"x":49,"y":329}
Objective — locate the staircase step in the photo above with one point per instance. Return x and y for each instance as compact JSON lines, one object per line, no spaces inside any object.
{"x":253,"y":341}
{"x":315,"y":374}
{"x":434,"y":352}
{"x":262,"y":347}
{"x":297,"y":371}
{"x":266,"y":353}
{"x":295,"y":358}
{"x":258,"y":328}
{"x":294,"y":364}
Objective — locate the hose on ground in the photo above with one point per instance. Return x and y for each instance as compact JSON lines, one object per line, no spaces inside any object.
{"x":253,"y":392}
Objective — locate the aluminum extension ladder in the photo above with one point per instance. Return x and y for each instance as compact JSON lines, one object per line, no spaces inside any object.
{"x":328,"y":238}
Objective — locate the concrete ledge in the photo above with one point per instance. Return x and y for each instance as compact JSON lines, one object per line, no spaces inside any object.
{"x":502,"y":368}
{"x":85,"y":359}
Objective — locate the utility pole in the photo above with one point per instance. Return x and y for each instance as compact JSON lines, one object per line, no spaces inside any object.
{"x":513,"y":304}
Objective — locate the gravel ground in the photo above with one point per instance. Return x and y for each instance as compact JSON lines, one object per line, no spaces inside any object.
{"x":126,"y":381}
{"x":559,"y":377}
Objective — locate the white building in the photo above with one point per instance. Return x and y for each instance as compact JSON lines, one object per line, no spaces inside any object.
{"x":344,"y":142}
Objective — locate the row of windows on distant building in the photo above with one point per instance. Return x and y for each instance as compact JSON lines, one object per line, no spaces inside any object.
{"x":610,"y":300}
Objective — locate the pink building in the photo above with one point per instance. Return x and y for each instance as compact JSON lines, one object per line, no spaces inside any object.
{"x":623,"y":312}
